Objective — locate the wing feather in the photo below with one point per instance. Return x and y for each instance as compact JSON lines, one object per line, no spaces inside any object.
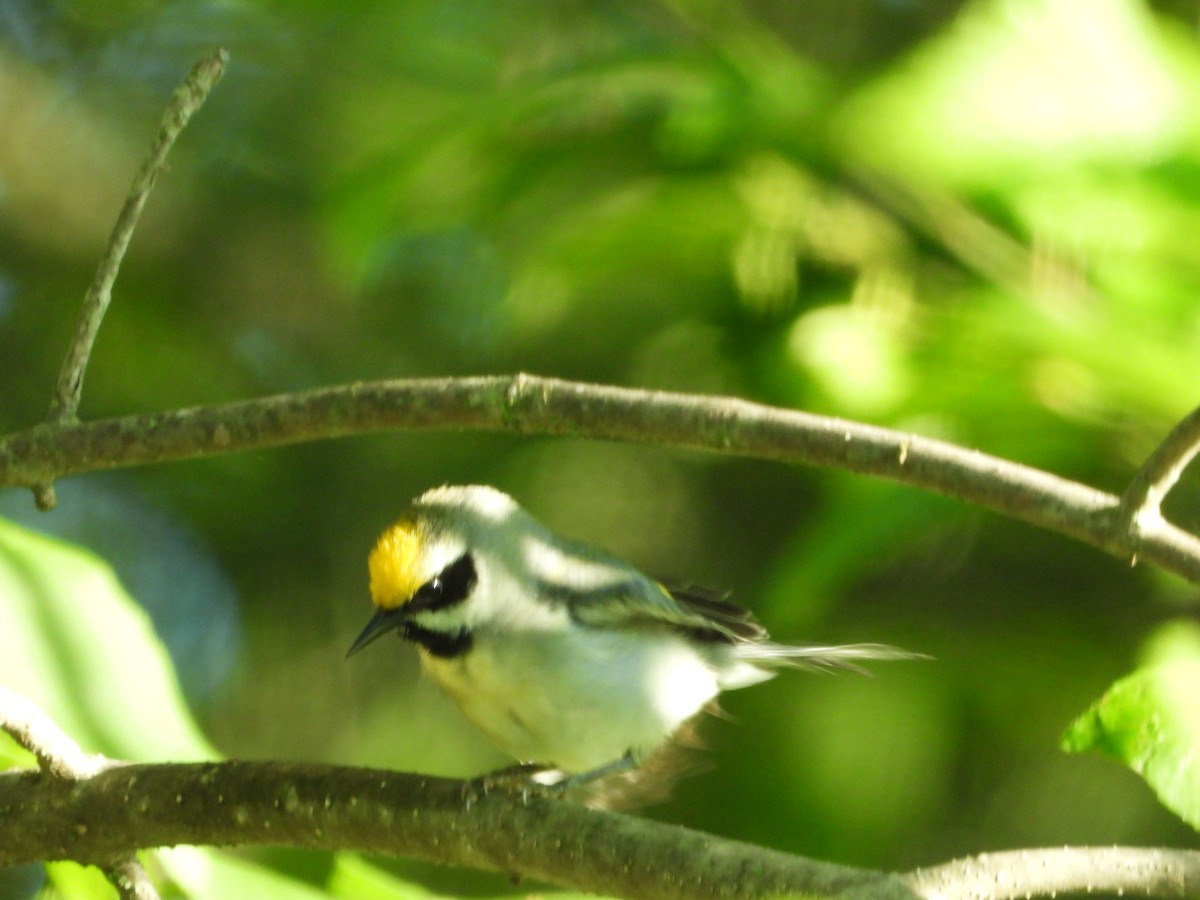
{"x":639,"y":600}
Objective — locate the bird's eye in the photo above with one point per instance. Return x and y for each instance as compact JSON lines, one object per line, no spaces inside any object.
{"x":448,"y":588}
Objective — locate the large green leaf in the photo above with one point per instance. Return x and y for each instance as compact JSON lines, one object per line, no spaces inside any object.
{"x":76,"y":644}
{"x":1151,"y":722}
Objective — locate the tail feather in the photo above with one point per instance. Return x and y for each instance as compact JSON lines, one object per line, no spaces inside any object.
{"x":819,"y":658}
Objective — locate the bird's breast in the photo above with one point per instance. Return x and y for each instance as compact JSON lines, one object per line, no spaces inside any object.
{"x":580,"y":698}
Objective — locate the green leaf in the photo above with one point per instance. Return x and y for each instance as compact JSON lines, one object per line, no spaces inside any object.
{"x":14,"y":756}
{"x":74,"y":642}
{"x":1151,"y":722}
{"x":354,"y":877}
{"x":70,"y":879}
{"x":211,"y":875}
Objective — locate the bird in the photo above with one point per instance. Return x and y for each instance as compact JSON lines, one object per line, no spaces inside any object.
{"x":571,"y":661}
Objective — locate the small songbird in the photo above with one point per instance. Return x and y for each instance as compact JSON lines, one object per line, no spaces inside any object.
{"x":568,"y":659}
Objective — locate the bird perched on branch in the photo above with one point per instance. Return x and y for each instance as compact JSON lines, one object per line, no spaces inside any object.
{"x":571,"y":661}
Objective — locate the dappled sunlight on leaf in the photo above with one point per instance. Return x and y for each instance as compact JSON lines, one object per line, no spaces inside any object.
{"x":1027,"y":85}
{"x":857,"y":352}
{"x":1150,"y":721}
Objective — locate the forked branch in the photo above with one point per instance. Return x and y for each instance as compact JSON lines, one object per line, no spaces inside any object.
{"x":527,"y":404}
{"x":62,"y":760}
{"x":187,"y":98}
{"x":1141,"y":504}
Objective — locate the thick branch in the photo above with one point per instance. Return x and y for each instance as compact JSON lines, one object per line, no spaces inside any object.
{"x":528,"y":404}
{"x":126,"y":807}
{"x":130,"y":806}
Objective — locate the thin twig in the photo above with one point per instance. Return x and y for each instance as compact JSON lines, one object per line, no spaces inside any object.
{"x":186,"y":99}
{"x":528,"y":404}
{"x":1141,"y":504}
{"x":131,"y":880}
{"x":56,"y":752}
{"x":1125,"y":871}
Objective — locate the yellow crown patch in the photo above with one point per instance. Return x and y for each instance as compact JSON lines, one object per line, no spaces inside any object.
{"x":395,"y":565}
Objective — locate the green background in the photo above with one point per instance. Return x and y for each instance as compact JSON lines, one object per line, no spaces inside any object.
{"x":973,"y":221}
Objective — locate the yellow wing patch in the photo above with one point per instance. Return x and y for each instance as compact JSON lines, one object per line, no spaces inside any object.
{"x":395,"y":565}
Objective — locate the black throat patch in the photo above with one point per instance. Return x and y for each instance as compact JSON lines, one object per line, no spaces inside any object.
{"x":438,"y":643}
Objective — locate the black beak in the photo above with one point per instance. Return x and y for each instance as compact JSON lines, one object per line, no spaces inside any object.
{"x":381,"y":623}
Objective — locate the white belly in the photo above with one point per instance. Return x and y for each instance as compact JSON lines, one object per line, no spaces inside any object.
{"x":578,"y":699}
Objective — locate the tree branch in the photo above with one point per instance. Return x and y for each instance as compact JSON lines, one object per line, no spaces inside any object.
{"x":62,"y":759}
{"x":528,"y":404}
{"x":131,"y":880}
{"x":186,"y":99}
{"x":1126,"y":871}
{"x":239,"y":803}
{"x":57,"y":753}
{"x":125,"y":807}
{"x":1141,"y":504}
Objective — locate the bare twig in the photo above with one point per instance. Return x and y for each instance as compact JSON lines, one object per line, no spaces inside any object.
{"x":245,"y":803}
{"x":1141,"y":504}
{"x":1125,"y":871}
{"x":131,"y":880}
{"x":186,"y":99}
{"x":56,"y":752}
{"x":528,"y":404}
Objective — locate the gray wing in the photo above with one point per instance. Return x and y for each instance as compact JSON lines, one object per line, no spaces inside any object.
{"x":602,"y":591}
{"x":721,"y":613}
{"x":636,"y":599}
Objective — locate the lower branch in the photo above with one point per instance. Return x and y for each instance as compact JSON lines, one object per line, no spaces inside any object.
{"x":124,"y":808}
{"x":127,"y":807}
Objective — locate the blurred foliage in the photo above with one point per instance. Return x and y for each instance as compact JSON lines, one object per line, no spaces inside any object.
{"x":970,"y":220}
